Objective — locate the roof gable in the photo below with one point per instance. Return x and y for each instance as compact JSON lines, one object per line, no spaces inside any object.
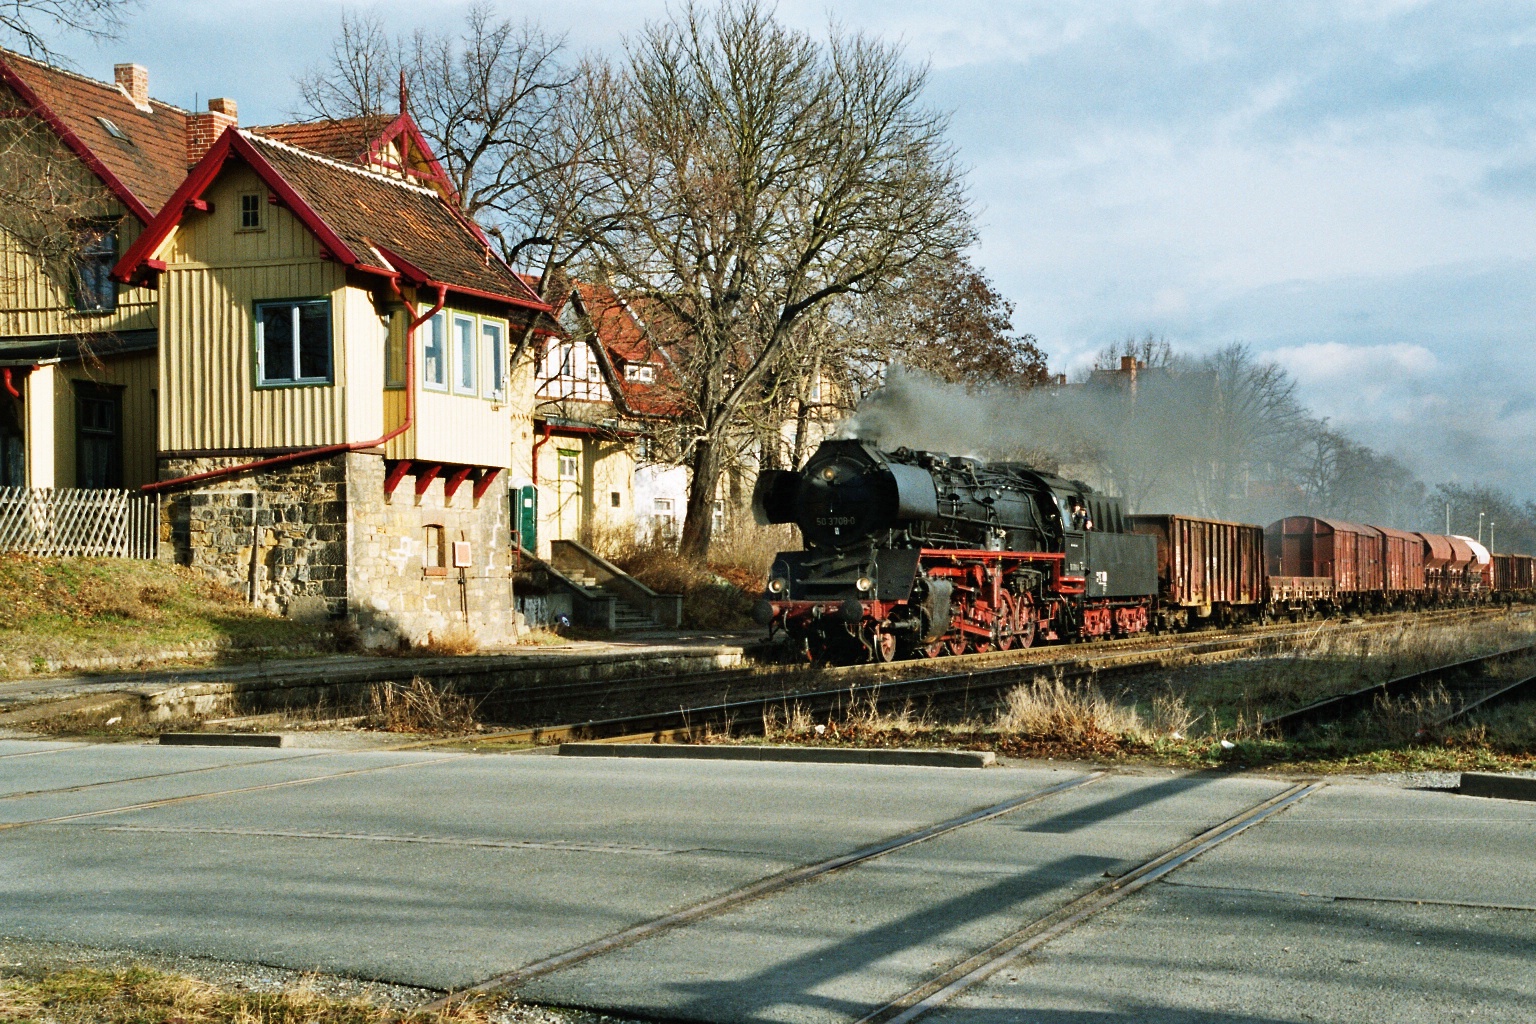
{"x":367,"y":141}
{"x":363,"y":220}
{"x":142,"y":170}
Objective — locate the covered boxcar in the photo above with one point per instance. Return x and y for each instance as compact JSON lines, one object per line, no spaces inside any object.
{"x":1402,"y":559}
{"x":1207,"y":569}
{"x":1349,"y":554}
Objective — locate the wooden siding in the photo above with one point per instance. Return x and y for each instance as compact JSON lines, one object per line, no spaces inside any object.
{"x":135,"y":375}
{"x":209,"y":398}
{"x":452,"y":428}
{"x":32,"y":304}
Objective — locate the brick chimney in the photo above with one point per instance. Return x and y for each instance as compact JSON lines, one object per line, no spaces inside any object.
{"x":204,"y":128}
{"x":133,"y":79}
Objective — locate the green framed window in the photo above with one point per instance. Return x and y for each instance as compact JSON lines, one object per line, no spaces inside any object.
{"x":493,"y":340}
{"x":293,"y":342}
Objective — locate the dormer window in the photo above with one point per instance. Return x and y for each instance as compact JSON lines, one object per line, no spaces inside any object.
{"x":250,"y":211}
{"x":114,"y":131}
{"x":642,"y":372}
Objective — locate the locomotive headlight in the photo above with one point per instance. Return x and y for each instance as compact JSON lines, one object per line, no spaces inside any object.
{"x":864,"y":584}
{"x":829,"y":474}
{"x":776,"y":586}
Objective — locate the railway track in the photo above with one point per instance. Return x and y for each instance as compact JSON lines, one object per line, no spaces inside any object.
{"x":951,"y":980}
{"x":1468,"y":683}
{"x":974,"y":681}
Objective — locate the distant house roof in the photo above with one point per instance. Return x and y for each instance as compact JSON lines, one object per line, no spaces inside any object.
{"x":143,"y":168}
{"x":625,"y":342}
{"x":366,"y":141}
{"x":344,"y":139}
{"x":363,"y":219}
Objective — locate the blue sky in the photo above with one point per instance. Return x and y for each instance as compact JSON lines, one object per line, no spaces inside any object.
{"x":1349,"y":188}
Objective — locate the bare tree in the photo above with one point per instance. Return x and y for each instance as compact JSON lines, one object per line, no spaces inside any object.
{"x":52,"y":210}
{"x":26,"y":22}
{"x":506,"y":111}
{"x":756,"y":174}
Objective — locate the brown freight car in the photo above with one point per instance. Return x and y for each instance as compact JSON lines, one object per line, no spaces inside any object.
{"x":1514,"y":576}
{"x":1402,"y":559}
{"x":1451,"y":570}
{"x":1349,"y":554}
{"x":1206,"y":569}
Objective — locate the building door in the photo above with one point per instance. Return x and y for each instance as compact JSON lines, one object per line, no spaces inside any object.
{"x":569,"y":507}
{"x":13,"y":445}
{"x":98,"y":436}
{"x":525,"y":518}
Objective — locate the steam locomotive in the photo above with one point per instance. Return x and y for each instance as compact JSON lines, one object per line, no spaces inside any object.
{"x":918,"y":554}
{"x":911,"y":553}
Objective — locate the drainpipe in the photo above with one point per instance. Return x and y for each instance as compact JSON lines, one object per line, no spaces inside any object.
{"x":541,"y":442}
{"x":10,"y":385}
{"x":333,"y":449}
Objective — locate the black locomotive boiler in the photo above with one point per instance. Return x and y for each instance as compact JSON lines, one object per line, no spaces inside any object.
{"x":918,"y":554}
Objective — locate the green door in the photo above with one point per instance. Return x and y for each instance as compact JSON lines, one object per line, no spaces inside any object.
{"x":526,"y":518}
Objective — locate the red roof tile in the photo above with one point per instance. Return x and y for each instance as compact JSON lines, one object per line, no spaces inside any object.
{"x":150,"y":163}
{"x":370,"y":211}
{"x":345,"y":139}
{"x":626,"y":342}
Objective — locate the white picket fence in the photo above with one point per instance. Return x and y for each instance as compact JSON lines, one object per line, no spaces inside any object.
{"x":69,"y":522}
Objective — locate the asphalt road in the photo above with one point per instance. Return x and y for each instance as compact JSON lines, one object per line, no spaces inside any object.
{"x":1359,"y":903}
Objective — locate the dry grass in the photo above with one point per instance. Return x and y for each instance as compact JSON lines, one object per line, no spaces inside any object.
{"x":74,"y":610}
{"x":420,"y":708}
{"x":455,"y":642}
{"x":1049,"y":710}
{"x":139,"y":995}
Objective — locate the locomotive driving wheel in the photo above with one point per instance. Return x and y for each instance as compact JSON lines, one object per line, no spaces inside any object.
{"x":1005,"y":622}
{"x":1024,"y":620}
{"x":884,"y":646}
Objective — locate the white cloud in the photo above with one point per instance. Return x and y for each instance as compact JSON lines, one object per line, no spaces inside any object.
{"x":1332,"y":362}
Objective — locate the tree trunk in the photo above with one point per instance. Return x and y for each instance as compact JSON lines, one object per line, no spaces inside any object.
{"x":699,"y":523}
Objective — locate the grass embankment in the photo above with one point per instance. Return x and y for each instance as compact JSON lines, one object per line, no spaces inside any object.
{"x":1205,"y":717}
{"x":140,"y":995}
{"x":72,"y":612}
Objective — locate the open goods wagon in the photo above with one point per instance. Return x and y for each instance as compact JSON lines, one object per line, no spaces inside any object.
{"x":1514,"y":575}
{"x":1206,"y":568}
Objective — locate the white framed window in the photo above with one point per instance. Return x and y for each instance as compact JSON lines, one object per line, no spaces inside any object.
{"x":434,"y":354}
{"x":293,"y":342}
{"x":642,"y":372}
{"x":464,"y":361}
{"x":664,"y":507}
{"x":570,"y":464}
{"x":493,"y":340}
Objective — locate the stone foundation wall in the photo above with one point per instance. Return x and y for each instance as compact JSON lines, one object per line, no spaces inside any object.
{"x":328,"y":544}
{"x":294,"y":516}
{"x":393,"y":591}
